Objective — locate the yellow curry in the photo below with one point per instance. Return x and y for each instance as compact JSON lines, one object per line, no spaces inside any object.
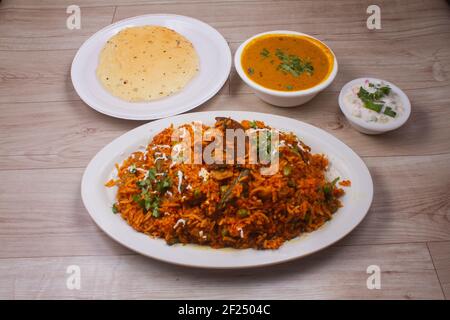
{"x":287,"y":62}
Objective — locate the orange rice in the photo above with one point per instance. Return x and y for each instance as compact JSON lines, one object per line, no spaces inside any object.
{"x":233,"y":205}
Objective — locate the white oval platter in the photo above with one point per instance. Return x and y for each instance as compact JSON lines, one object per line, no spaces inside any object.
{"x":343,"y":162}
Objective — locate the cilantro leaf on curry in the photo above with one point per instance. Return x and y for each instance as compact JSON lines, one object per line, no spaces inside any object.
{"x":293,"y":64}
{"x":264,"y":53}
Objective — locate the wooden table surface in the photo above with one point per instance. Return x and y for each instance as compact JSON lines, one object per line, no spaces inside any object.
{"x":48,"y":135}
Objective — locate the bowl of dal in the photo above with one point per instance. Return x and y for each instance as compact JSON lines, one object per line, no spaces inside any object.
{"x":285,"y":68}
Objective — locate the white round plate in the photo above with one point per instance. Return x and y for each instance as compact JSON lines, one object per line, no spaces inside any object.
{"x":215,"y":64}
{"x":344,"y":163}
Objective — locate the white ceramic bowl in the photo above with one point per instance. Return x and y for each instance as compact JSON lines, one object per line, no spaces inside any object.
{"x":373,"y":127}
{"x":283,"y":98}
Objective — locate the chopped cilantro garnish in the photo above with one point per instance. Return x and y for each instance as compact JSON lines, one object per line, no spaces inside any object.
{"x":253,"y":124}
{"x":163,"y":184}
{"x":379,"y":93}
{"x":389,"y":112}
{"x":293,"y":64}
{"x":250,"y":71}
{"x":373,"y":106}
{"x":114,"y":209}
{"x":150,"y":201}
{"x":372,"y":100}
{"x":287,"y":170}
{"x":156,"y":213}
{"x":151,"y":174}
{"x":335,"y":181}
{"x":328,"y":188}
{"x":264,"y":53}
{"x":242,"y":213}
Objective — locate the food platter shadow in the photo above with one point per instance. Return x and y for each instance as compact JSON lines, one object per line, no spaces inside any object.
{"x":314,"y":263}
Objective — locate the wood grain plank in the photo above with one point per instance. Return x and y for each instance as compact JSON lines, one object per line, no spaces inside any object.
{"x":41,"y":76}
{"x":45,"y":29}
{"x":238,"y":21}
{"x":52,"y":4}
{"x":411,"y":204}
{"x":440,"y":253}
{"x":70,"y":133}
{"x":91,"y":242}
{"x":339,"y":272}
{"x":54,"y":218}
{"x":33,"y":76}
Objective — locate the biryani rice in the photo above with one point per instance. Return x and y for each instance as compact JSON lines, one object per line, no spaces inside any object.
{"x":259,"y":211}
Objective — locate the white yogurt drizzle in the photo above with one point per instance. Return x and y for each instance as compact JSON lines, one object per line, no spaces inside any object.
{"x":179,"y":221}
{"x":241,"y":232}
{"x":203,"y":173}
{"x":180,"y":179}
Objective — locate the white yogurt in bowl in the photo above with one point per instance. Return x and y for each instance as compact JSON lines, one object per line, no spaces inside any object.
{"x":374,"y":106}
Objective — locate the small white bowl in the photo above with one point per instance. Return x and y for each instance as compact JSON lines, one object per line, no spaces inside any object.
{"x":283,"y":98}
{"x":373,"y":127}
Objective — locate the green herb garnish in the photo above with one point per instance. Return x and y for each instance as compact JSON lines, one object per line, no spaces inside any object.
{"x":224,"y":232}
{"x":289,"y":87}
{"x":383,"y":90}
{"x":379,"y":93}
{"x":156,"y":213}
{"x":223,"y":188}
{"x":242,"y":213}
{"x":328,"y":188}
{"x":373,"y":106}
{"x":114,"y":209}
{"x":372,"y":100}
{"x":142,"y":184}
{"x":151,"y":174}
{"x":293,"y":64}
{"x":335,"y":181}
{"x":150,"y":201}
{"x":253,"y":124}
{"x":250,"y":71}
{"x":287,"y":170}
{"x":163,"y":184}
{"x":264,"y":53}
{"x":389,"y":112}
